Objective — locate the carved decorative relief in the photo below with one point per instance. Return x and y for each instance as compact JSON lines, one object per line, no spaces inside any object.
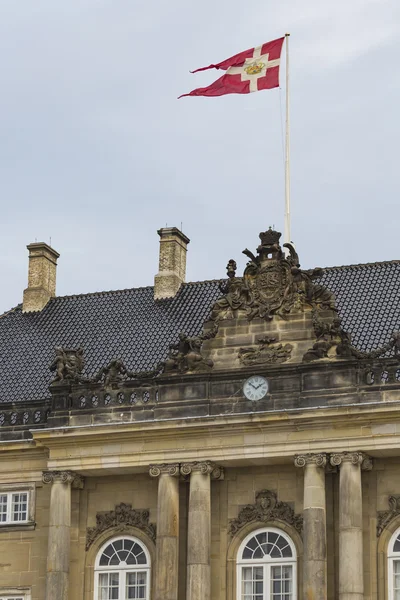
{"x":67,"y":477}
{"x":205,"y":467}
{"x":356,"y":458}
{"x":301,"y":460}
{"x":68,"y":365}
{"x":169,"y":469}
{"x":119,"y":519}
{"x":265,"y":353}
{"x":185,"y":355}
{"x":266,"y":508}
{"x":271,"y":284}
{"x":386,"y":516}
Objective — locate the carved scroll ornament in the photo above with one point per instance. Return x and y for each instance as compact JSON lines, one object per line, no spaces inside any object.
{"x":386,"y":516}
{"x":266,"y":508}
{"x":122,"y":517}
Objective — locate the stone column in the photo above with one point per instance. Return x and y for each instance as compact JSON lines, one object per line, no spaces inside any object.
{"x":59,"y":531}
{"x":314,"y":525}
{"x":167,"y":545}
{"x":351,"y":581}
{"x":198,"y":586}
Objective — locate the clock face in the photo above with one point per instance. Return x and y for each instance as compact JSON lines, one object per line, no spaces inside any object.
{"x":255,"y":387}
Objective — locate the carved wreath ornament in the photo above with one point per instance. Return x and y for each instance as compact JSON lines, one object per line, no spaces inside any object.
{"x":266,"y":508}
{"x":122,"y":517}
{"x":386,"y":516}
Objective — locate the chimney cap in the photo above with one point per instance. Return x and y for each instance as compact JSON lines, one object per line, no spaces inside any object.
{"x":43,"y":246}
{"x":173,"y":232}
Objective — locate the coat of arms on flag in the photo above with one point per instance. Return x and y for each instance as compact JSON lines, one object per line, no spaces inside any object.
{"x":249,"y":71}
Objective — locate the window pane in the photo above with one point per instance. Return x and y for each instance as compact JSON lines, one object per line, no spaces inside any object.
{"x":136,"y":585}
{"x":109,"y":586}
{"x":118,"y":544}
{"x":281,"y":582}
{"x":396,"y":580}
{"x":252,"y":583}
{"x":261,"y":538}
{"x":3,"y":508}
{"x":396,"y":546}
{"x":19,"y":507}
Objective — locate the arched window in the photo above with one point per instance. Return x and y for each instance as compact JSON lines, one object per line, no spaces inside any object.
{"x":122,"y":570}
{"x":394,"y":566}
{"x":266,"y":566}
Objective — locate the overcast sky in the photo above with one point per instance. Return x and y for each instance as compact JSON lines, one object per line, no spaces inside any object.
{"x":97,"y":153}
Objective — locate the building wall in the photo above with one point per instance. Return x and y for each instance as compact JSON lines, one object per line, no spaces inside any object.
{"x":23,"y":553}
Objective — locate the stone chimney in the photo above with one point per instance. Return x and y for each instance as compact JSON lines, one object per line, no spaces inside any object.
{"x":41,"y":277}
{"x":172,"y":263}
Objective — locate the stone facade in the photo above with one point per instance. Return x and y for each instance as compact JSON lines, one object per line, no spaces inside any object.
{"x":189,"y":466}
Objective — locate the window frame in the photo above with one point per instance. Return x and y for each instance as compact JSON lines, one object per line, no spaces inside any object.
{"x":15,"y":593}
{"x":266,"y":563}
{"x":391,"y":557}
{"x":8,"y":489}
{"x":98,"y":569}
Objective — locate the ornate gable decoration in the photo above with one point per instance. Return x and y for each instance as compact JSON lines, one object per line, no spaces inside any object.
{"x":386,"y":516}
{"x":119,"y":519}
{"x":266,"y":508}
{"x":272,"y":284}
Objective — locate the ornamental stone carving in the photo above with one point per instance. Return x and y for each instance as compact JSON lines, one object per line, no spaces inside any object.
{"x":68,"y":365}
{"x":119,"y":519}
{"x":169,"y":469}
{"x":205,"y":467}
{"x":185,"y":355}
{"x":301,"y":460}
{"x":356,"y":458}
{"x":271,"y":284}
{"x":67,"y":477}
{"x":266,"y":508}
{"x":386,"y":516}
{"x":265,"y":353}
{"x":116,"y":373}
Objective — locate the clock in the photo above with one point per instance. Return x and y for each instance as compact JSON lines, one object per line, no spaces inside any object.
{"x":255,"y":387}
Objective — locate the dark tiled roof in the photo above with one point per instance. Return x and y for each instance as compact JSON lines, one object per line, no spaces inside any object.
{"x":130,"y":325}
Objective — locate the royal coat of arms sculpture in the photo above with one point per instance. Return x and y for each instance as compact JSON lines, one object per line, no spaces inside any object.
{"x":272,"y":284}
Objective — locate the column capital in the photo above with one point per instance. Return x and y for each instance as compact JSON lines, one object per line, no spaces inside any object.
{"x":319,"y":460}
{"x":206,"y":467}
{"x":67,"y":477}
{"x":164,"y":469}
{"x":355,"y":458}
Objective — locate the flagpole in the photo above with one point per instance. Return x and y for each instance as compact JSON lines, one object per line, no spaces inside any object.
{"x":287,"y":232}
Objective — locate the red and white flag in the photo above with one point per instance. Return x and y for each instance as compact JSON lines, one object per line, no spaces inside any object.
{"x":249,"y":71}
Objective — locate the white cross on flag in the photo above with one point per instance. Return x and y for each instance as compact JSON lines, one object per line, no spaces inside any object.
{"x":249,"y":71}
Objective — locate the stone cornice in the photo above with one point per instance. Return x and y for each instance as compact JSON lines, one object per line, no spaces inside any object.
{"x":67,"y":477}
{"x":206,"y":467}
{"x":301,"y":460}
{"x":355,"y":458}
{"x":168,"y":469}
{"x":386,"y":516}
{"x":119,"y":519}
{"x":266,"y":508}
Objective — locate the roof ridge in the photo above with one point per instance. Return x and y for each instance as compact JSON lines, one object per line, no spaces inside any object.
{"x":143,"y":287}
{"x":369,"y":264}
{"x":101,"y":293}
{"x":11,"y":310}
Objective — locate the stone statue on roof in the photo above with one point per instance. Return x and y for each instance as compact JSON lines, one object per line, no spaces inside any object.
{"x":272,"y":284}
